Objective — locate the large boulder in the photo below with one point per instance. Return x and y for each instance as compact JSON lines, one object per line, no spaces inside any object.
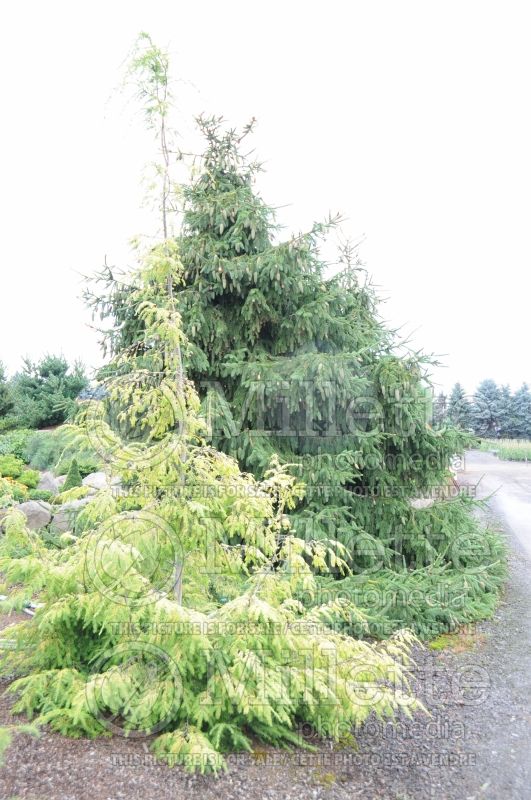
{"x":48,"y":483}
{"x":65,"y":516}
{"x":38,"y":513}
{"x":99,"y":480}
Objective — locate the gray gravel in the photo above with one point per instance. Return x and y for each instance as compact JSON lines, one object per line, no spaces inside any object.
{"x":474,"y":746}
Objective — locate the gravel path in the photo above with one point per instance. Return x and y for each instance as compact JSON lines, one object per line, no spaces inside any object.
{"x":475,"y":745}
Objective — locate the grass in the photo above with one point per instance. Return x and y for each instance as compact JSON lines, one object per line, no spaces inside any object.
{"x":460,"y":641}
{"x":510,"y":449}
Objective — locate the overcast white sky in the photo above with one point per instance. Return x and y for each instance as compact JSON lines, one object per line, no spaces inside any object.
{"x":411,"y":118}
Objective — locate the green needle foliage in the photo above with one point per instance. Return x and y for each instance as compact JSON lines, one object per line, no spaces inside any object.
{"x":459,"y":408}
{"x":73,"y":477}
{"x":293,"y":361}
{"x":179,"y":615}
{"x":458,"y":584}
{"x":6,"y":400}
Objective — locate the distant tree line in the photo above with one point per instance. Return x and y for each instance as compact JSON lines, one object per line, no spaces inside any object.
{"x":41,"y":394}
{"x":492,"y":411}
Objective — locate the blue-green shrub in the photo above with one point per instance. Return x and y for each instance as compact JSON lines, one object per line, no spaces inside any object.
{"x":50,"y":450}
{"x":15,"y":443}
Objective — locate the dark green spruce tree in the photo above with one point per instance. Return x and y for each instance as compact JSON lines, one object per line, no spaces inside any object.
{"x":506,"y":412}
{"x":459,"y":410}
{"x":487,"y":409}
{"x":440,"y":410}
{"x":6,"y":399}
{"x":292,"y":358}
{"x":520,"y":411}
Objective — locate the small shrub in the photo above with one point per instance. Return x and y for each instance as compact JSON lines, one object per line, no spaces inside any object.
{"x":53,"y":539}
{"x":40,"y":494}
{"x":15,"y":442}
{"x":73,"y":478}
{"x":30,"y":478}
{"x":19,"y":492}
{"x":51,"y":450}
{"x":44,"y":449}
{"x":11,"y":466}
{"x":6,"y":493}
{"x":85,"y":466}
{"x":10,"y":423}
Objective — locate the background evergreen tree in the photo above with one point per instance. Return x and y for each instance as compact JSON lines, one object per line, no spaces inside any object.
{"x":440,"y":410}
{"x":506,"y":412}
{"x":44,"y":392}
{"x":520,"y":409}
{"x":487,"y":409}
{"x":6,"y":399}
{"x":459,"y":408}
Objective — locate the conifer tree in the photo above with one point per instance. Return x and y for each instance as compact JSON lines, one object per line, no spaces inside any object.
{"x":459,"y":409}
{"x":506,"y":412}
{"x":487,"y":410}
{"x":520,"y":410}
{"x":113,"y":647}
{"x":293,"y":361}
{"x":73,"y":477}
{"x":440,"y":410}
{"x":6,"y":400}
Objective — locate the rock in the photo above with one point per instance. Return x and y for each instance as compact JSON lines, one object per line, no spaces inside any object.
{"x":64,"y":517}
{"x":96,"y":480}
{"x":48,"y":483}
{"x":422,"y":502}
{"x":38,"y":513}
{"x":60,"y":481}
{"x":99,"y":480}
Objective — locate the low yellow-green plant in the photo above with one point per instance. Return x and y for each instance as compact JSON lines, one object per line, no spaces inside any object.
{"x":180,"y":618}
